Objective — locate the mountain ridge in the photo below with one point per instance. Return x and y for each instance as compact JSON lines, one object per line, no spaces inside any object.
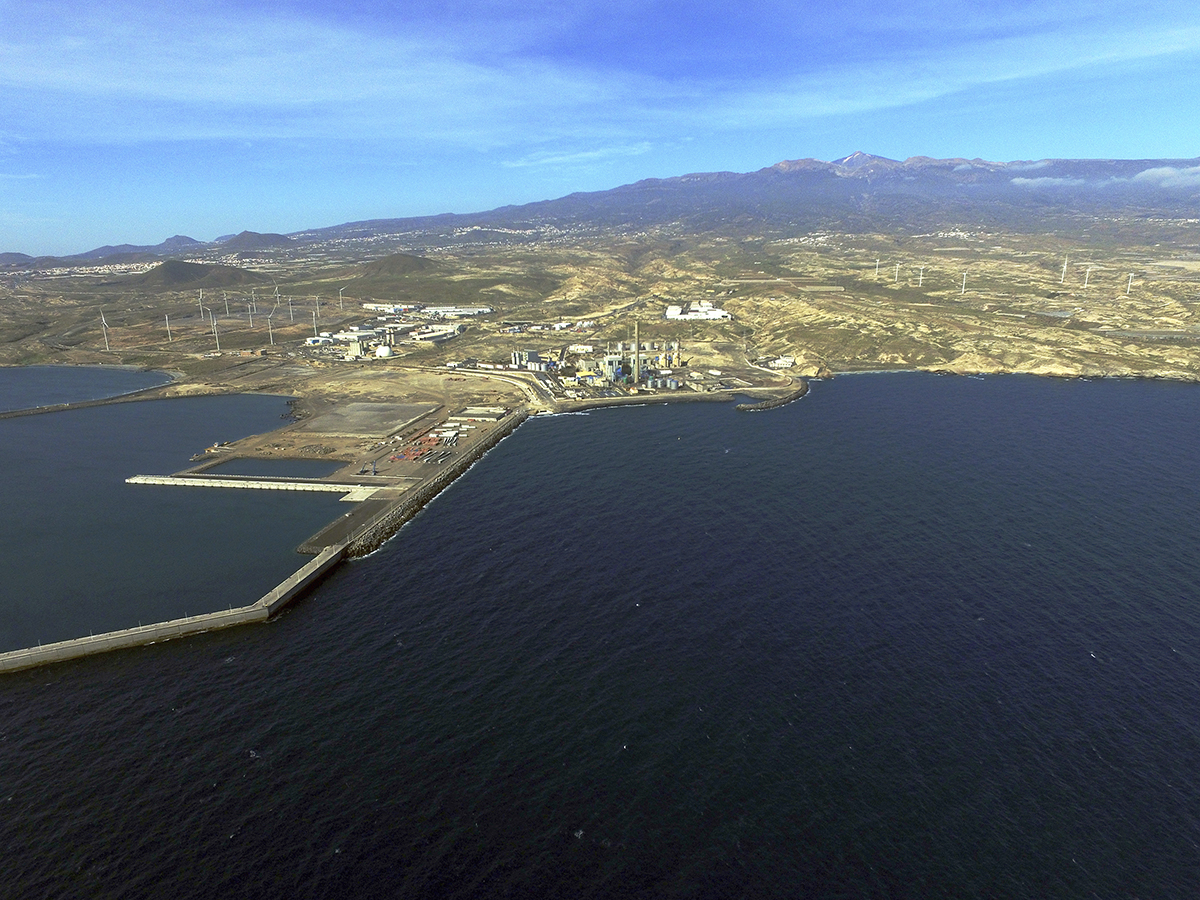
{"x":850,"y":193}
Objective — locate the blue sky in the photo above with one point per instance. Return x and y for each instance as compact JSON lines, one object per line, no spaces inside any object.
{"x":131,"y":121}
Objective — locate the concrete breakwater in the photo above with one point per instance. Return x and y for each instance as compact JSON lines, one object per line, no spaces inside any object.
{"x":266,"y":607}
{"x":371,"y":535}
{"x":775,"y":402}
{"x":150,"y":393}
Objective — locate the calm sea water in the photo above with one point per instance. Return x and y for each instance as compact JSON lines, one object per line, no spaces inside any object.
{"x":31,"y":386}
{"x":83,"y":552}
{"x":909,"y":637}
{"x":277,"y":468}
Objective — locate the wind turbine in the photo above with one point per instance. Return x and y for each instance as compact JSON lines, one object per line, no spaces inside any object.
{"x":225,"y":297}
{"x":964,"y":286}
{"x":1063,"y":280}
{"x":1129,"y":287}
{"x":897,"y":273}
{"x":340,"y":306}
{"x":921,"y":277}
{"x":1087,"y":276}
{"x":104,"y":325}
{"x":169,"y":338}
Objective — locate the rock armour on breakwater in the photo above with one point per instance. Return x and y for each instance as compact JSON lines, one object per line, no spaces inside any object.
{"x":387,"y":523}
{"x":775,"y":402}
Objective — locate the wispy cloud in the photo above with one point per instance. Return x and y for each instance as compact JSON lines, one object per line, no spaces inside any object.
{"x":567,"y":158}
{"x":185,"y":76}
{"x":144,"y":72}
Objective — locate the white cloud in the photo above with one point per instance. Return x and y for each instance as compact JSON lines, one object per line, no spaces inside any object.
{"x":1170,"y":176}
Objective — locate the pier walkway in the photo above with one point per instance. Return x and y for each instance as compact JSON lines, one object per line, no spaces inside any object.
{"x":353,"y":492}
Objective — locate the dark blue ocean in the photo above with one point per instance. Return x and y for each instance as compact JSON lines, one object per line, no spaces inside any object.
{"x":908,"y":637}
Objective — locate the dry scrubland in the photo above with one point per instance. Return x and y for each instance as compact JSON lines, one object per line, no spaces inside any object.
{"x":817,"y":296}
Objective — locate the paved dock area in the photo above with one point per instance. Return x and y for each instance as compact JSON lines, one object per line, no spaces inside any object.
{"x":342,"y":529}
{"x":367,"y":419}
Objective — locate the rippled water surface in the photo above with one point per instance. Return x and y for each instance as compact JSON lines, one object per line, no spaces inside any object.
{"x":909,"y":637}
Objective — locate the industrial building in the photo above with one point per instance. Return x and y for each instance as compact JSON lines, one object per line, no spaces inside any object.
{"x":697,"y":310}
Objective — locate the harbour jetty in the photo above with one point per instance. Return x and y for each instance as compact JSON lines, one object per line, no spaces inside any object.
{"x":776,"y":402}
{"x":247,"y":482}
{"x":149,"y":393}
{"x":267,"y":606}
{"x":381,"y":509}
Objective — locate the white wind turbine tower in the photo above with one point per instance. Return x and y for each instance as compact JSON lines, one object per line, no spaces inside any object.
{"x":897,"y":279}
{"x":921,"y":277}
{"x":1063,"y":279}
{"x":1129,"y":287}
{"x":1087,"y":276}
{"x":104,"y":325}
{"x":340,"y":306}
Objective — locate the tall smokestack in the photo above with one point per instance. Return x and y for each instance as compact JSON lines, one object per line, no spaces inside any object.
{"x":637,"y":353}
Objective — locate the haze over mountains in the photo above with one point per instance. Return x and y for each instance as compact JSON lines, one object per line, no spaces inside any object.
{"x":856,"y":193}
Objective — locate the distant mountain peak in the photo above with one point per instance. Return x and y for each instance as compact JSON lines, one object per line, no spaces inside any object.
{"x":858,"y":159}
{"x":253,"y":240}
{"x":174,"y":274}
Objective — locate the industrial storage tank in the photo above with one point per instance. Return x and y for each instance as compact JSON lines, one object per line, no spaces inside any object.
{"x":383,"y":352}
